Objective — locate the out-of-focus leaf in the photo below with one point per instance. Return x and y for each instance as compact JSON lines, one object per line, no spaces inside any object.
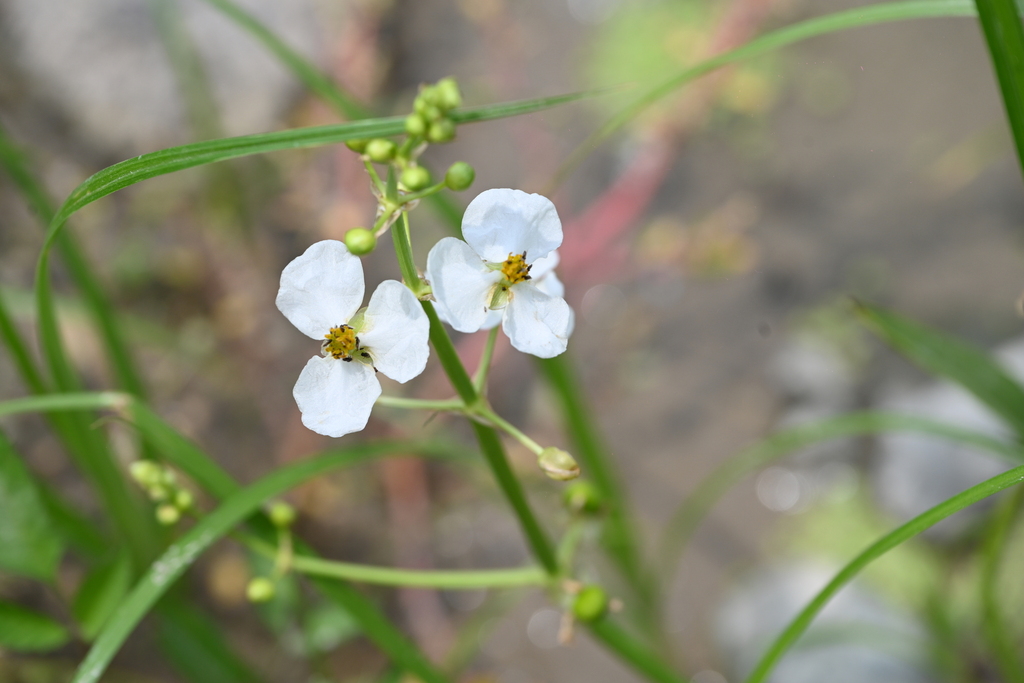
{"x":100,"y":594}
{"x":28,"y":544}
{"x":28,"y":631}
{"x":196,"y":647}
{"x":1000,"y":22}
{"x":327,"y":626}
{"x":951,"y":358}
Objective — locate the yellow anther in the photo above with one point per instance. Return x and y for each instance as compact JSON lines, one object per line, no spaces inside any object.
{"x":515,"y":268}
{"x":341,"y":343}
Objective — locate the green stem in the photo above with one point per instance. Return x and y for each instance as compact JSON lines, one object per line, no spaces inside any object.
{"x":453,"y":405}
{"x":63,"y":402}
{"x":482,"y":370}
{"x":799,"y":625}
{"x":403,"y":249}
{"x":389,"y":576}
{"x":371,"y":170}
{"x":1006,"y":651}
{"x":501,"y":423}
{"x":413,"y":196}
{"x":633,"y":651}
{"x":19,"y":352}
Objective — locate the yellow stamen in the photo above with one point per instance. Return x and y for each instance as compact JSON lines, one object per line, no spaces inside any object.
{"x":342,"y":342}
{"x":515,"y":268}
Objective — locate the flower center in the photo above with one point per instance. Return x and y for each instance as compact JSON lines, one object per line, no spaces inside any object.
{"x":341,"y":343}
{"x":515,"y":268}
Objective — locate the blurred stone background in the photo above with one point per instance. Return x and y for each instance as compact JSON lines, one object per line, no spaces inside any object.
{"x":711,"y":252}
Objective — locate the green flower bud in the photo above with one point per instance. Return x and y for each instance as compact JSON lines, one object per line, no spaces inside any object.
{"x":415,"y":125}
{"x":583,"y":496}
{"x":441,"y":130}
{"x":357,"y":146}
{"x":167,"y":514}
{"x":558,"y":464}
{"x":360,"y":241}
{"x":260,"y":589}
{"x":432,"y":113}
{"x":146,"y":472}
{"x":415,"y":178}
{"x":591,"y":603}
{"x":183,"y":499}
{"x":380,"y":150}
{"x":448,"y":94}
{"x":282,"y":514}
{"x":460,"y":176}
{"x":429,"y":96}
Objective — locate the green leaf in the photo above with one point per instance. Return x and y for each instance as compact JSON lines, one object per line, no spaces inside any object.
{"x":28,"y":631}
{"x":101,"y":593}
{"x":893,"y":539}
{"x":1000,"y":22}
{"x":327,"y":626}
{"x":196,"y":647}
{"x":181,"y":554}
{"x":953,"y":359}
{"x":28,"y":544}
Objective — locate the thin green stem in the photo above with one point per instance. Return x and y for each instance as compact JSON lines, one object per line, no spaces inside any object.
{"x":449,"y":357}
{"x":420,"y":194}
{"x":482,"y":370}
{"x":65,"y":402}
{"x":799,"y":625}
{"x":403,"y":248}
{"x":389,"y":576}
{"x":453,"y":405}
{"x":489,"y":416}
{"x":632,"y":651}
{"x":1007,"y":653}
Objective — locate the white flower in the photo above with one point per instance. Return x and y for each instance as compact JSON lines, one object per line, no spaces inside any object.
{"x":504,"y":272}
{"x":320,"y":294}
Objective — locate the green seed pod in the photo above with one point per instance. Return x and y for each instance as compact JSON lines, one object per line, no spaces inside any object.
{"x":448,"y":94}
{"x":357,"y":146}
{"x":260,"y":589}
{"x":146,"y":472}
{"x":380,"y":150}
{"x":441,"y":130}
{"x":415,"y":178}
{"x":432,"y":113}
{"x":460,"y":176}
{"x":415,"y":125}
{"x":167,"y":514}
{"x":558,"y":464}
{"x":582,"y":496}
{"x":183,"y":499}
{"x":360,"y":241}
{"x":591,"y":603}
{"x":429,"y":95}
{"x":281,"y":513}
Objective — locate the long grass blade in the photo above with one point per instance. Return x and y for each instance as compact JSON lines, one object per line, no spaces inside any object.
{"x":1001,"y":25}
{"x":799,"y":625}
{"x":1007,"y":653}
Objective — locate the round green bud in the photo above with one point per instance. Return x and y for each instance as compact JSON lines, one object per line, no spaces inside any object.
{"x":558,"y":464}
{"x":281,"y":514}
{"x":145,"y":472}
{"x":415,"y":125}
{"x":460,"y":176}
{"x":441,"y":130}
{"x":360,"y":241}
{"x":357,"y":146}
{"x":448,"y":94}
{"x":415,"y":178}
{"x":380,"y":150}
{"x":260,"y":589}
{"x":183,"y":499}
{"x":429,"y":95}
{"x":591,"y":603}
{"x":432,"y":113}
{"x":167,"y":514}
{"x":583,"y":496}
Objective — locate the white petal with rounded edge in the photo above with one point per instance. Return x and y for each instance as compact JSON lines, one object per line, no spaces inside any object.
{"x":462,"y":284}
{"x":501,"y":222}
{"x":493,"y":319}
{"x":334,"y":396}
{"x":395,"y":331}
{"x":550,"y":285}
{"x":537,"y":323}
{"x":540,"y":268}
{"x":321,"y":289}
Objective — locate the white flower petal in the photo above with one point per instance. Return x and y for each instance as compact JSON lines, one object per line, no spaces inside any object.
{"x":550,"y":284}
{"x":542,"y":266}
{"x":395,"y":331}
{"x":501,"y":222}
{"x":537,"y":323}
{"x":493,"y":319}
{"x":462,"y":284}
{"x":321,"y":289}
{"x":335,"y":396}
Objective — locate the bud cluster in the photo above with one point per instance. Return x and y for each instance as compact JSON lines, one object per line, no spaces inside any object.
{"x":162,"y":487}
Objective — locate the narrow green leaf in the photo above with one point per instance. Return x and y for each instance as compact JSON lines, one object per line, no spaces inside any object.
{"x":994,"y":624}
{"x":696,"y":506}
{"x":79,"y":531}
{"x":25,"y":630}
{"x":637,"y":654}
{"x":918,"y":524}
{"x":16,"y":346}
{"x":101,"y":593}
{"x":1000,"y":23}
{"x":953,"y":359}
{"x":195,"y":646}
{"x":181,"y":554}
{"x":28,"y":544}
{"x":311,"y":77}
